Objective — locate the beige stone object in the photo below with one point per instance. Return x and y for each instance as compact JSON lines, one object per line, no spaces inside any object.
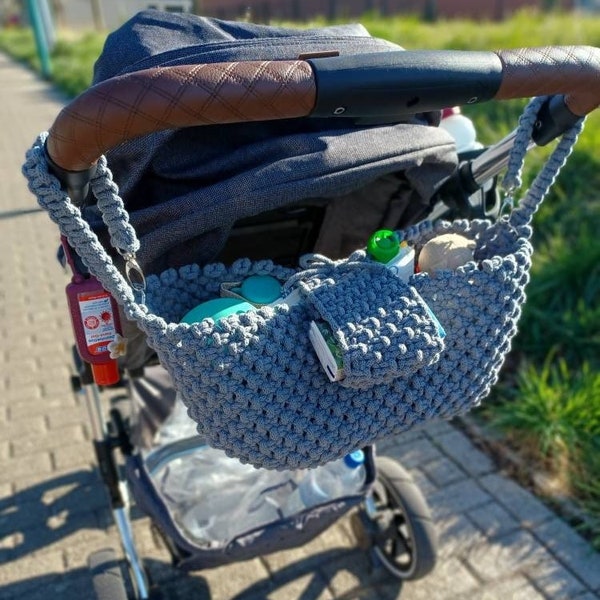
{"x":447,"y":251}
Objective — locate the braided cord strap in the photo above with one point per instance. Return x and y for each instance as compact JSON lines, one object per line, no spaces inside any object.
{"x":521,"y":216}
{"x":47,"y":189}
{"x":114,"y":215}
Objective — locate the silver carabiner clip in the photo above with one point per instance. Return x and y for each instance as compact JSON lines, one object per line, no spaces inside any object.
{"x":508,"y":202}
{"x":135,"y":276}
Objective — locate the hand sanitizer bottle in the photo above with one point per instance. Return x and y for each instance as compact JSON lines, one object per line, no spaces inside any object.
{"x":385,"y":247}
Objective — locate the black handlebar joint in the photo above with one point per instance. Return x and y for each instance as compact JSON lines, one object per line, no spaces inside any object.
{"x":401,"y":83}
{"x":553,"y":119}
{"x":76,"y":183}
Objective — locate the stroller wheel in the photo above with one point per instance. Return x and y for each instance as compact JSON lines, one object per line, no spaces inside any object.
{"x":107,"y":577}
{"x":398,"y":518}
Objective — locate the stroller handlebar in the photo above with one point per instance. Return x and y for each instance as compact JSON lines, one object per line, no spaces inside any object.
{"x":573,"y":71}
{"x":143,"y":102}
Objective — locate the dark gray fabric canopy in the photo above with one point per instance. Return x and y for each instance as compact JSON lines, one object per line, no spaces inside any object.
{"x":184,"y":189}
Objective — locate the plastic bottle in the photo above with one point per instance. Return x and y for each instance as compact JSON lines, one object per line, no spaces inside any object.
{"x":95,"y":320}
{"x":343,"y":477}
{"x":461,"y":128}
{"x":384,"y":246}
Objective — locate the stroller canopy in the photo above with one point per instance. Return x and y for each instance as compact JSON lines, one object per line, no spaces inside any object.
{"x":185,"y":189}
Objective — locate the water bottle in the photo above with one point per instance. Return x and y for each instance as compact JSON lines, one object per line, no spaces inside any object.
{"x":350,"y":472}
{"x":461,"y":128}
{"x":343,"y":477}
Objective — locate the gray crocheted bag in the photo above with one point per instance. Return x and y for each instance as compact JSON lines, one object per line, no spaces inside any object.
{"x":253,"y":383}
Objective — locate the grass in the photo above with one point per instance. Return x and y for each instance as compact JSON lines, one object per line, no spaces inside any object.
{"x":551,"y":405}
{"x":525,"y":28}
{"x":552,"y":411}
{"x":72,"y":57}
{"x":562,"y":314}
{"x":551,"y":416}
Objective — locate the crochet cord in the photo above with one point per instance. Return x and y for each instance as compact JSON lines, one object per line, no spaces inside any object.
{"x":523,"y":214}
{"x":114,"y":215}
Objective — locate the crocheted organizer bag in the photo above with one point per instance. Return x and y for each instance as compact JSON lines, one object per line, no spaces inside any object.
{"x":253,"y":382}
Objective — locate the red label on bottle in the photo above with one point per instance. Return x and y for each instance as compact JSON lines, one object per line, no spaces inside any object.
{"x":98,"y":321}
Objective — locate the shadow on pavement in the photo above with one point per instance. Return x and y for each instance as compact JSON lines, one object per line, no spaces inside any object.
{"x":43,"y":514}
{"x":299,"y":580}
{"x":309,"y":578}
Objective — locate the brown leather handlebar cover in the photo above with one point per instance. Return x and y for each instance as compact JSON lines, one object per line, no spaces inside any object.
{"x":570,"y":70}
{"x":143,"y":102}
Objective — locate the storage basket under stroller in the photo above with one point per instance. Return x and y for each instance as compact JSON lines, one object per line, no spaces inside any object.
{"x":257,"y":187}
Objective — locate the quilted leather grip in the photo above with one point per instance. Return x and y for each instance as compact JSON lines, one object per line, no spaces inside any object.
{"x":143,"y":102}
{"x":570,"y":70}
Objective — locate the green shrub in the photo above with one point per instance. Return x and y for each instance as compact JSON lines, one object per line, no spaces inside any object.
{"x":72,"y":58}
{"x":20,"y":44}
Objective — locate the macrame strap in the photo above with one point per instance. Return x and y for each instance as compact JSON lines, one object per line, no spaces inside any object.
{"x":521,"y":216}
{"x":75,"y":228}
{"x":122,"y":235}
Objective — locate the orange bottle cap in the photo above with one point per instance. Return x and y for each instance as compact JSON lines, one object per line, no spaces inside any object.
{"x":106,"y":373}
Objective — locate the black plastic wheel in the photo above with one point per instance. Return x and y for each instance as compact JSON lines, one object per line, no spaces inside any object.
{"x":107,"y":577}
{"x":403,"y":535}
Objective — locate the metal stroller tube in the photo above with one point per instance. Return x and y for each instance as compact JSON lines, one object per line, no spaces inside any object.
{"x":493,"y":160}
{"x":143,"y":102}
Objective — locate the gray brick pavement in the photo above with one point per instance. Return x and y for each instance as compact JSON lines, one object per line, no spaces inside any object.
{"x":496,"y":539}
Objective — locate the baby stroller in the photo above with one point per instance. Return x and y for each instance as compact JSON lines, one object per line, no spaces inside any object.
{"x":369,"y":157}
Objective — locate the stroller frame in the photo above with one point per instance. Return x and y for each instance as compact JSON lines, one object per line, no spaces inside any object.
{"x":391,"y":521}
{"x":477,"y":199}
{"x":110,"y":436}
{"x":105,"y":443}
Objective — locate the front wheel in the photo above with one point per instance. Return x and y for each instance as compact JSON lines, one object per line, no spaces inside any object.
{"x":399,"y":522}
{"x":107,"y":577}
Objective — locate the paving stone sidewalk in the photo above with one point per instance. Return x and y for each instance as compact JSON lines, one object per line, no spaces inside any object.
{"x":496,"y":540}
